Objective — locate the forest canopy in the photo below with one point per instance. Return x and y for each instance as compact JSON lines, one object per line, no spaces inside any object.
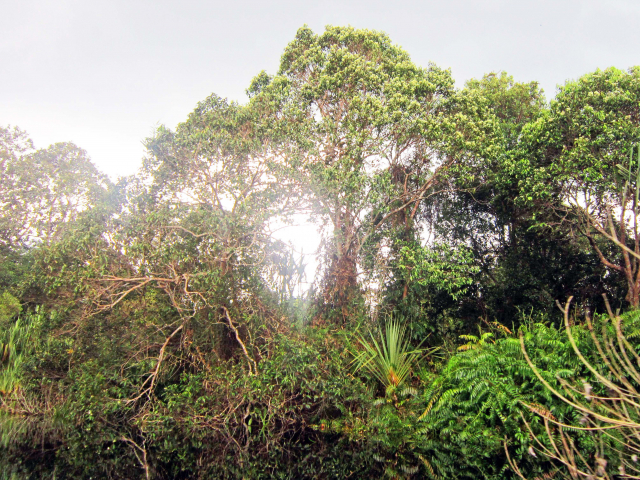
{"x":155,"y":327}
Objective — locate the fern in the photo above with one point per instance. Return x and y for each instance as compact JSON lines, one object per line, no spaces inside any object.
{"x":479,"y":398}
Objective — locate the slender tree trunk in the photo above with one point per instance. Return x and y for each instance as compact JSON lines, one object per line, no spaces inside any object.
{"x":633,"y":293}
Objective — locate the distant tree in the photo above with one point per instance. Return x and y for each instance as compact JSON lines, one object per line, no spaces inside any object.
{"x":42,"y":194}
{"x":43,"y":190}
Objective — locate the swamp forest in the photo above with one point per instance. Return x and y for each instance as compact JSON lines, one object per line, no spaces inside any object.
{"x":473,"y":312}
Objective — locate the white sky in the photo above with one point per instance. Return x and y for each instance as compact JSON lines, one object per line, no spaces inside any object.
{"x":104,"y":74}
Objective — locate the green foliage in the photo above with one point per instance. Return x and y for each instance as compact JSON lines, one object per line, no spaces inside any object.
{"x":389,"y":358}
{"x":567,"y":164}
{"x":586,"y":132}
{"x":43,"y":191}
{"x":350,"y":103}
{"x":602,"y":399}
{"x":9,"y":308}
{"x":441,"y":265}
{"x":481,"y":396}
{"x":156,"y":328}
{"x":14,"y":348}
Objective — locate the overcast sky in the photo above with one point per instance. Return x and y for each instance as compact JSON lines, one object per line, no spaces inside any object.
{"x":104,"y":74}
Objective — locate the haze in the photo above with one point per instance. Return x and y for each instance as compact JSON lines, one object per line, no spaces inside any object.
{"x":104,"y":74}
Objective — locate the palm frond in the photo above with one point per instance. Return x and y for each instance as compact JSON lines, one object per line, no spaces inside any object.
{"x":390,"y":357}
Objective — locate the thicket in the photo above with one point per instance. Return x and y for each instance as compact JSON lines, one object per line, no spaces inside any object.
{"x":156,"y":328}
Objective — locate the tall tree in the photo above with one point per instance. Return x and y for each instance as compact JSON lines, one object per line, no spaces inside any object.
{"x":569,"y":166}
{"x":361,"y":116}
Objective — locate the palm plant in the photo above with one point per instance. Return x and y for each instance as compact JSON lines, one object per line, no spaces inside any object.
{"x":391,"y":358}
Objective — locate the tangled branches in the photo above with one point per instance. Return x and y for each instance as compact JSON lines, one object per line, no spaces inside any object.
{"x":609,"y":409}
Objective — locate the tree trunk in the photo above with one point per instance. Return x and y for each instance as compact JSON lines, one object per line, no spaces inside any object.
{"x":633,"y":294}
{"x":341,"y":278}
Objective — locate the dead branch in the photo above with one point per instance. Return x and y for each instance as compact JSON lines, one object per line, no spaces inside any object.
{"x":250,"y":361}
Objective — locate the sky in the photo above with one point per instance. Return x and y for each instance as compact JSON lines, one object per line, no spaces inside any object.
{"x":105,"y":74}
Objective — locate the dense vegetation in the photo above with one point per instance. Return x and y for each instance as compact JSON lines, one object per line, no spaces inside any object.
{"x":156,"y":328}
